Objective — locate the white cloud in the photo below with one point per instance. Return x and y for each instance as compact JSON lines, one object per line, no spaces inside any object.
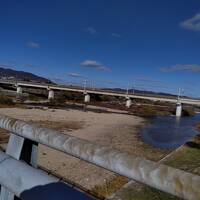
{"x":91,"y":30}
{"x":182,"y":67}
{"x":33,"y":45}
{"x":76,"y":75}
{"x":95,"y":65}
{"x":192,"y":23}
{"x":116,"y":35}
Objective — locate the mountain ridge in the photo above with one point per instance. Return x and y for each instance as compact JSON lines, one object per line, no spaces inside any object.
{"x":11,"y":74}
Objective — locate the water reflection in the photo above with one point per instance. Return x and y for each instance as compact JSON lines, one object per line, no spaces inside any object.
{"x":170,"y":132}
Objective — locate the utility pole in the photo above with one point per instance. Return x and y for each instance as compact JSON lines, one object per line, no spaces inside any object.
{"x":84,"y":85}
{"x":133,"y":89}
{"x":179,"y":94}
{"x":127,"y":90}
{"x":180,"y":90}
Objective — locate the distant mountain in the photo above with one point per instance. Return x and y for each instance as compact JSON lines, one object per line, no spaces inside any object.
{"x":142,"y":92}
{"x":10,"y":74}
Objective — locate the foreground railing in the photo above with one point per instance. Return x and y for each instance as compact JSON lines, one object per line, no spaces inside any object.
{"x":162,"y":177}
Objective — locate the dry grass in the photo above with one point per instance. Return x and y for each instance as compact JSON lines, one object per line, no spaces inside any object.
{"x":17,"y":105}
{"x":109,"y":187}
{"x":150,"y":111}
{"x":5,"y":100}
{"x":4,"y":136}
{"x":188,"y":112}
{"x":142,"y":192}
{"x":188,"y":157}
{"x":60,"y":126}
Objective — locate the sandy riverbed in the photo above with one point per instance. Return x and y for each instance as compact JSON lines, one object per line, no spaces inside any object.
{"x":116,"y":130}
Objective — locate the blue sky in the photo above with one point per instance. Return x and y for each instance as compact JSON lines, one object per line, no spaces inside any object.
{"x":147,"y":44}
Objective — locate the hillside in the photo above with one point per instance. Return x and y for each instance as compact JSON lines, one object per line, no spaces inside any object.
{"x":10,"y":74}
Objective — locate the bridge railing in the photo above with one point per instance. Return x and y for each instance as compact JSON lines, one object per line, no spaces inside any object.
{"x":159,"y":176}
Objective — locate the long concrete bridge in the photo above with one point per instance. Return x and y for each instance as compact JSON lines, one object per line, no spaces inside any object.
{"x":87,"y":91}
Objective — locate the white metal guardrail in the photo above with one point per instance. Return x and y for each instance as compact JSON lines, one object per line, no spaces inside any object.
{"x":28,"y":183}
{"x":162,"y":177}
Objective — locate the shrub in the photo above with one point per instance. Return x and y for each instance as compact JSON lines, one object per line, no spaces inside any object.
{"x":4,"y":100}
{"x":33,"y":97}
{"x":188,"y":112}
{"x":60,"y":98}
{"x":70,"y":96}
{"x":106,"y":98}
{"x":151,"y":111}
{"x":148,"y":111}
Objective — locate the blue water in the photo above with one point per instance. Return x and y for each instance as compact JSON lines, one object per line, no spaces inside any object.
{"x":170,"y":132}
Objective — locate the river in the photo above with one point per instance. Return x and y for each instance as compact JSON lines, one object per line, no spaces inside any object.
{"x":170,"y":132}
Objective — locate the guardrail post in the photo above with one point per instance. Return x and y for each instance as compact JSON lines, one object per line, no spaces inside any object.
{"x":20,"y":149}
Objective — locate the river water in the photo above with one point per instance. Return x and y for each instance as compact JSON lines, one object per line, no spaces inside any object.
{"x":170,"y":132}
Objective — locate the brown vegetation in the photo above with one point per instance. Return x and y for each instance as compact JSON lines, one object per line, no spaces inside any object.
{"x":61,"y":126}
{"x":4,"y":136}
{"x":150,"y":111}
{"x":109,"y":187}
{"x":188,"y":112}
{"x":33,"y":97}
{"x":5,"y":100}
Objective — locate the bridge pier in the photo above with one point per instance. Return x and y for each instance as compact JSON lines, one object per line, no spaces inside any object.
{"x":51,"y":94}
{"x":128,"y":102}
{"x":178,"y":109}
{"x":19,"y":90}
{"x":87,"y":98}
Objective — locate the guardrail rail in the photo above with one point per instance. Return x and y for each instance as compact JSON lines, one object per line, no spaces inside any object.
{"x":19,"y":179}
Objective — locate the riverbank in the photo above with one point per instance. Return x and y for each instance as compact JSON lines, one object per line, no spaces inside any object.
{"x":117,"y":130}
{"x":186,"y":157}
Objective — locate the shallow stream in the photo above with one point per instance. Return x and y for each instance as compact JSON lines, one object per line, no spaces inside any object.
{"x":170,"y":132}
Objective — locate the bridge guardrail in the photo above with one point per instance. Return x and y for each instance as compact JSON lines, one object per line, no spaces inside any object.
{"x":159,"y":176}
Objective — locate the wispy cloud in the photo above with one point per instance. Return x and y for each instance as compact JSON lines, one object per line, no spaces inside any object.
{"x":95,"y":65}
{"x":182,"y":67}
{"x":76,"y":75}
{"x":33,"y":45}
{"x":91,"y":30}
{"x":192,"y":23}
{"x":116,"y":35}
